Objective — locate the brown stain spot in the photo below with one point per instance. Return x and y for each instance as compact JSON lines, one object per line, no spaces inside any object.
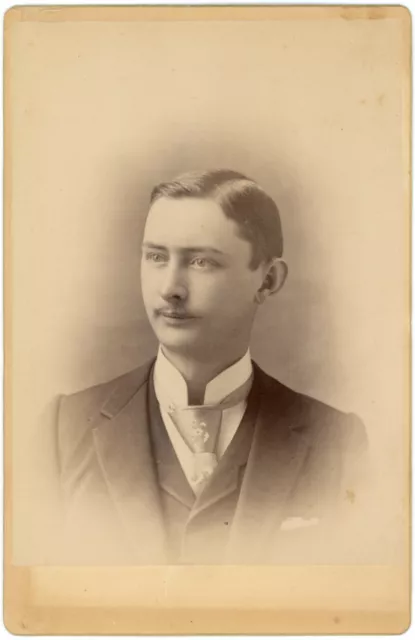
{"x":376,"y":13}
{"x":350,"y":496}
{"x":363,"y":13}
{"x":380,"y":99}
{"x":362,"y":102}
{"x":336,"y":620}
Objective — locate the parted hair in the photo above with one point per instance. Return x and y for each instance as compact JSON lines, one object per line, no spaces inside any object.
{"x":241,"y":199}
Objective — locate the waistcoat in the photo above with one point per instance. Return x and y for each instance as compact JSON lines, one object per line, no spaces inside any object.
{"x":197,"y":528}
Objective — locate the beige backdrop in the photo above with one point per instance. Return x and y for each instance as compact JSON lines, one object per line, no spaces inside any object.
{"x":314,"y":109}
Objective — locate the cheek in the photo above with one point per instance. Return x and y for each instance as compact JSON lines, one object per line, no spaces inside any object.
{"x":239,"y":301}
{"x":226,"y":292}
{"x":148,"y":280}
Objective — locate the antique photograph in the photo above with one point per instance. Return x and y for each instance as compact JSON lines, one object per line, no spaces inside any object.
{"x":207,"y":250}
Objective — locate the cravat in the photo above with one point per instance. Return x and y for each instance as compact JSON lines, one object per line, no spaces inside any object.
{"x":199,"y":427}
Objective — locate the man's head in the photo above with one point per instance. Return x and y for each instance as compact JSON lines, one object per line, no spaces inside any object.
{"x":212,"y":252}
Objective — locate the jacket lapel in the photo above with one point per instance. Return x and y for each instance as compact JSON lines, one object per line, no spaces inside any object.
{"x":277,"y":456}
{"x":124,"y":451}
{"x":274,"y":456}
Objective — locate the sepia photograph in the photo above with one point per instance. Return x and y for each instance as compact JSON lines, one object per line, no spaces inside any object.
{"x":207,"y":319}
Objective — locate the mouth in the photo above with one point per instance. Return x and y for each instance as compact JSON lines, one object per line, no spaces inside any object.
{"x":175,"y":316}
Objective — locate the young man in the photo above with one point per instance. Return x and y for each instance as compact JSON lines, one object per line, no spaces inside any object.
{"x":199,"y":456}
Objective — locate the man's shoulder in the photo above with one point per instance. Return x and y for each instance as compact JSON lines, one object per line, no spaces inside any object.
{"x":293,"y":401}
{"x":100,"y":391}
{"x":309,"y":415}
{"x":79,"y":410}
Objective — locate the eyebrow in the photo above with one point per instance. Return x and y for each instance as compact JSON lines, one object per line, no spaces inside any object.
{"x":201,"y":249}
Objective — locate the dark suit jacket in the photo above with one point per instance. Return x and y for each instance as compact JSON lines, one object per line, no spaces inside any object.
{"x":299,"y":493}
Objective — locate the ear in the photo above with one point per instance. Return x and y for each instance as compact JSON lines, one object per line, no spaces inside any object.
{"x":274,"y":279}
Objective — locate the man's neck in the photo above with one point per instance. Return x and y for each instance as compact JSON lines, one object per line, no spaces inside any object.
{"x":198,"y":372}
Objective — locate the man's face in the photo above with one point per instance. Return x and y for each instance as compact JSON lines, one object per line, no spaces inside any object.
{"x":198,"y":289}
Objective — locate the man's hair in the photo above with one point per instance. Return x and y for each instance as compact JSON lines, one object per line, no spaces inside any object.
{"x":241,"y":199}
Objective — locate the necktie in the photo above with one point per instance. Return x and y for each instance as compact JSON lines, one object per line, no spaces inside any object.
{"x":199,"y":427}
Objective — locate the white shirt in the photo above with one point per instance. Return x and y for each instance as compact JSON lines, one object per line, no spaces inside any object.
{"x":171,"y":388}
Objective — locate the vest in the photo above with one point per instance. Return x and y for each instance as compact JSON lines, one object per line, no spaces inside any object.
{"x":197,"y":528}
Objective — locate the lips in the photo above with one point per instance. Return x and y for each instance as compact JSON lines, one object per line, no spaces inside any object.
{"x":175,"y":315}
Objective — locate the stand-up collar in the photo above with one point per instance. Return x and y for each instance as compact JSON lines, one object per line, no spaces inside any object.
{"x":170,"y":386}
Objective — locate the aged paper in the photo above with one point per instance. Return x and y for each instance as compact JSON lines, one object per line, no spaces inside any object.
{"x":103,"y":103}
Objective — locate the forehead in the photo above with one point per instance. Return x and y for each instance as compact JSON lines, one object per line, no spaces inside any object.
{"x":183,"y":222}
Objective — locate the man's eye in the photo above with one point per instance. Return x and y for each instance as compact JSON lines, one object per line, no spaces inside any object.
{"x":155,"y":257}
{"x":202,"y":263}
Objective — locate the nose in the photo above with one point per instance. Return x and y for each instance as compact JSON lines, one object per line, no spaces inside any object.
{"x":173,"y":285}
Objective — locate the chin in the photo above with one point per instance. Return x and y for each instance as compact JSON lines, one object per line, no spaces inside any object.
{"x":174,"y":340}
{"x":184,"y":345}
